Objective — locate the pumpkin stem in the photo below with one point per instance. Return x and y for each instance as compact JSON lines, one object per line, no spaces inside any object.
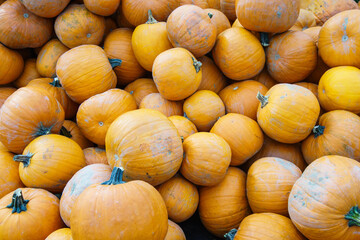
{"x":65,"y":132}
{"x":353,"y":216}
{"x":25,"y":159}
{"x":264,"y":39}
{"x":18,"y":203}
{"x":210,"y":15}
{"x":151,"y":19}
{"x":318,"y":130}
{"x":231,"y":234}
{"x":115,"y":62}
{"x":182,"y":138}
{"x":56,"y":82}
{"x":197,"y":64}
{"x":357,"y":1}
{"x":185,"y":116}
{"x":264,"y":100}
{"x":42,"y":130}
{"x":116,"y":177}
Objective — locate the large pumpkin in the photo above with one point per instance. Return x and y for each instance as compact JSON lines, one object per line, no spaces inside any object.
{"x":60,"y":234}
{"x":103,"y":7}
{"x":139,"y":213}
{"x":12,"y":65}
{"x":174,"y":232}
{"x":305,"y":20}
{"x":184,"y":126}
{"x":323,"y":203}
{"x":95,"y":155}
{"x":212,"y":78}
{"x":219,"y":19}
{"x":146,"y":144}
{"x":71,"y":130}
{"x":29,"y":73}
{"x":45,"y":8}
{"x":5,"y":92}
{"x":157,"y":102}
{"x":141,"y":88}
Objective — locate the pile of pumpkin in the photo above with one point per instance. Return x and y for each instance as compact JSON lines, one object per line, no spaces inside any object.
{"x":116,"y":116}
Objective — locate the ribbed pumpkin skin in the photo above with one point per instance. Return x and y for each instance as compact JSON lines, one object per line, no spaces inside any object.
{"x":77,"y":26}
{"x":60,"y":234}
{"x":85,"y":71}
{"x":103,"y":7}
{"x":184,"y":126}
{"x":268,"y":185}
{"x":94,"y":173}
{"x":96,"y":114}
{"x":228,"y":7}
{"x":19,"y":28}
{"x":219,"y":19}
{"x":175,"y":75}
{"x":48,"y":57}
{"x":311,"y":86}
{"x":157,"y":102}
{"x":223,"y":207}
{"x":181,"y":198}
{"x":313,"y":32}
{"x":12,"y":65}
{"x":29,"y":73}
{"x":238,"y":54}
{"x":174,"y":232}
{"x":76,"y":134}
{"x":212,"y":78}
{"x":15,"y":132}
{"x":153,"y":149}
{"x":339,"y":89}
{"x":5,"y":92}
{"x":43,"y":207}
{"x":140,"y":88}
{"x":305,"y":20}
{"x":341,"y":136}
{"x":95,"y":155}
{"x":290,"y":114}
{"x":45,"y":8}
{"x":242,"y":134}
{"x":265,"y":79}
{"x":323,"y":195}
{"x":200,"y":3}
{"x":338,"y":36}
{"x":274,"y":16}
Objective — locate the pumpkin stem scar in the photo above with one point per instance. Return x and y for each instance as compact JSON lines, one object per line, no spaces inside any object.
{"x":116,"y":177}
{"x":56,"y":82}
{"x":115,"y":62}
{"x":231,"y":234}
{"x":353,"y":216}
{"x":264,"y":39}
{"x":42,"y":130}
{"x":264,"y":100}
{"x":65,"y":132}
{"x":25,"y":159}
{"x":318,"y":130}
{"x":18,"y":203}
{"x":151,"y":19}
{"x":210,"y":15}
{"x":197,"y":64}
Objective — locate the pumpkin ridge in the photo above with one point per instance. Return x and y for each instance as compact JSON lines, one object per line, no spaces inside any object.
{"x":25,"y":159}
{"x":116,"y":177}
{"x":353,"y":216}
{"x":18,"y":203}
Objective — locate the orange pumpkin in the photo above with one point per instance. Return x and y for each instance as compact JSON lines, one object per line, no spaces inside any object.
{"x":49,"y":162}
{"x":103,"y":7}
{"x":190,"y":27}
{"x":71,"y":130}
{"x":288,"y":113}
{"x":141,"y":88}
{"x":110,"y":25}
{"x":177,"y":74}
{"x":25,"y":209}
{"x":242,"y":134}
{"x":305,"y":20}
{"x":76,"y":26}
{"x":94,"y":173}
{"x":5,"y":92}
{"x":320,"y":69}
{"x":220,"y":218}
{"x":117,"y":45}
{"x":85,"y":71}
{"x":60,"y":234}
{"x":181,"y":198}
{"x":238,"y":54}
{"x":311,"y":86}
{"x":48,"y":57}
{"x":146,"y":144}
{"x":20,"y":28}
{"x":157,"y":102}
{"x":200,"y":3}
{"x":219,"y":19}
{"x":228,"y":7}
{"x":313,"y":32}
{"x":95,"y":155}
{"x":337,"y":36}
{"x":45,"y":8}
{"x":265,"y":79}
{"x":121,"y":20}
{"x":149,"y":40}
{"x":174,"y":232}
{"x":12,"y":65}
{"x":30,"y":72}
{"x":241,"y":97}
{"x":203,"y":109}
{"x":214,"y":4}
{"x":42,"y":115}
{"x":212,"y":78}
{"x":184,"y":126}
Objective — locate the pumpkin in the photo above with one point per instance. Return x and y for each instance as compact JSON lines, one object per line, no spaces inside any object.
{"x":20,"y":28}
{"x":76,"y":26}
{"x":184,"y":126}
{"x":181,"y":198}
{"x":268,"y":185}
{"x":71,"y":130}
{"x":311,"y":86}
{"x":135,"y":10}
{"x":45,"y":8}
{"x":212,"y":78}
{"x":265,"y":79}
{"x":110,"y":25}
{"x":337,"y":36}
{"x":313,"y":32}
{"x":140,"y":88}
{"x":200,"y":3}
{"x":228,"y":7}
{"x":305,"y":20}
{"x":157,"y":102}
{"x":117,"y":45}
{"x":94,"y":173}
{"x":319,"y":71}
{"x":190,"y":27}
{"x":95,"y":155}
{"x":214,"y":4}
{"x":30,"y":72}
{"x":323,"y":203}
{"x":42,"y":115}
{"x":103,"y":7}
{"x":219,"y":19}
{"x":288,"y":113}
{"x":25,"y":209}
{"x":146,"y":144}
{"x":236,"y":23}
{"x":50,"y":161}
{"x":242,"y":133}
{"x":174,"y":232}
{"x":5,"y":92}
{"x":60,"y":234}
{"x":223,"y":207}
{"x":203,"y":109}
{"x":141,"y":213}
{"x":241,"y":98}
{"x":121,"y":20}
{"x":291,"y":57}
{"x":96,"y":114}
{"x":339,"y":89}
{"x":337,"y":134}
{"x":48,"y":57}
{"x":12,"y":65}
{"x":177,"y":74}
{"x":238,"y":54}
{"x":85,"y":71}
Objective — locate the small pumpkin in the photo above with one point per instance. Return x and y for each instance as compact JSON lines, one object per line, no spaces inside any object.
{"x":60,"y":234}
{"x":157,"y":102}
{"x":219,"y":19}
{"x":45,"y":8}
{"x":265,"y":78}
{"x":103,"y":7}
{"x":30,"y":72}
{"x":95,"y":155}
{"x":110,"y":25}
{"x":71,"y":130}
{"x":184,"y":126}
{"x":174,"y":232}
{"x":140,"y":88}
{"x":305,"y":20}
{"x":5,"y":92}
{"x":313,"y":32}
{"x":212,"y":78}
{"x":12,"y":65}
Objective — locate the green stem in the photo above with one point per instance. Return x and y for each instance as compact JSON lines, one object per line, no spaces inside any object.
{"x":18,"y":203}
{"x":264,"y":39}
{"x":65,"y":132}
{"x":151,"y":19}
{"x":25,"y":159}
{"x":264,"y":100}
{"x":210,"y":15}
{"x":115,"y":62}
{"x":353,"y":216}
{"x":116,"y":177}
{"x":231,"y":234}
{"x":318,"y":130}
{"x":56,"y":82}
{"x":42,"y":130}
{"x":197,"y":64}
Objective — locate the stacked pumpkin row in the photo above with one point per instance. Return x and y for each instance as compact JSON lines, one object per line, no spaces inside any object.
{"x":200,"y":98}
